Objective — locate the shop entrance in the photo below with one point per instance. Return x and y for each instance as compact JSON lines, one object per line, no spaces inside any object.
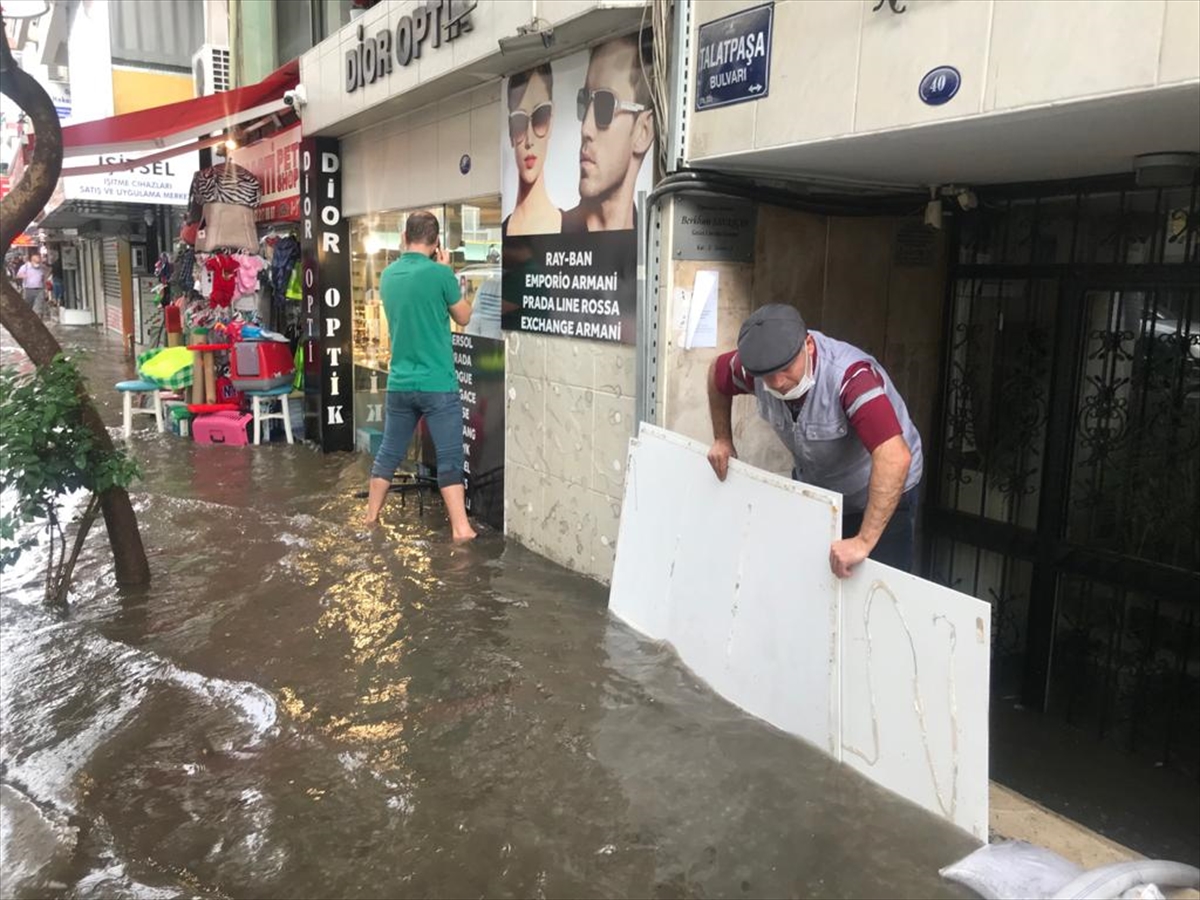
{"x":470,"y":231}
{"x":1066,"y":488}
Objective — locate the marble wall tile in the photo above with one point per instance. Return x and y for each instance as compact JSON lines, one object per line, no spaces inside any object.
{"x":615,"y":425}
{"x":525,"y":422}
{"x":524,"y":504}
{"x":569,"y":525}
{"x":1179,"y":58}
{"x":571,"y":361}
{"x":810,"y":95}
{"x":525,"y":354}
{"x":891,"y":63}
{"x":568,"y":428}
{"x":1042,"y":53}
{"x":616,"y":370}
{"x":607,"y":515}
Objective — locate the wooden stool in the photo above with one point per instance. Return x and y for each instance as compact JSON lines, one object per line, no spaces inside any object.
{"x":259,"y":398}
{"x":128,"y":389}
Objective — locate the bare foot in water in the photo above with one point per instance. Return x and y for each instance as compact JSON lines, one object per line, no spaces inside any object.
{"x":464,"y":536}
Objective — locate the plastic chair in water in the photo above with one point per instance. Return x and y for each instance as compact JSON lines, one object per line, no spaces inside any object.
{"x":140,"y":387}
{"x":261,"y":402}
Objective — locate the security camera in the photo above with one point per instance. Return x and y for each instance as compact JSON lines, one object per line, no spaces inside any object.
{"x":296,"y":97}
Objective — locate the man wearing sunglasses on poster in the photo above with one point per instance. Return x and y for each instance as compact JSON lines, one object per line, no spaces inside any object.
{"x":616,"y":133}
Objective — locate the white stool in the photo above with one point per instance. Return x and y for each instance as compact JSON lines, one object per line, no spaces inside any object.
{"x":259,"y":398}
{"x":128,"y":389}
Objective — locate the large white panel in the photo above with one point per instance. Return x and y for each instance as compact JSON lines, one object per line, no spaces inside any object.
{"x":915,"y":661}
{"x":735,"y":575}
{"x":884,"y":670}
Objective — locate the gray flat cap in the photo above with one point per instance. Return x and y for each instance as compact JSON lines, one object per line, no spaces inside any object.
{"x":770,"y":338}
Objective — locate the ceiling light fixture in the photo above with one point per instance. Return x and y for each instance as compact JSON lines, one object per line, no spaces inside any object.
{"x":1168,"y":169}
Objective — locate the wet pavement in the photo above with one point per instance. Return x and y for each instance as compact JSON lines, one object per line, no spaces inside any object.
{"x":299,"y":708}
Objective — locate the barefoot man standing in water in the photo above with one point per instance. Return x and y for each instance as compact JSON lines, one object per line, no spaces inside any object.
{"x":420,"y":296}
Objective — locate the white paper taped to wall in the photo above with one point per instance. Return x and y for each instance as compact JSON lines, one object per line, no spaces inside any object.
{"x":884,"y":670}
{"x":702,"y":312}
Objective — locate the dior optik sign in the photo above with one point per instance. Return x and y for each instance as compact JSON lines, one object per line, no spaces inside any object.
{"x":433,"y":22}
{"x":325,"y":250}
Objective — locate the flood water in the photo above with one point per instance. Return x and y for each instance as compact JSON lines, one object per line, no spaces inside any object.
{"x":299,"y":708}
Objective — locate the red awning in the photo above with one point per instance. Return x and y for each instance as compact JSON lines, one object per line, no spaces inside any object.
{"x":166,"y":126}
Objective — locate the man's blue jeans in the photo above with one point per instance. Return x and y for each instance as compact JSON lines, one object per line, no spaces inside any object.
{"x":442,"y":411}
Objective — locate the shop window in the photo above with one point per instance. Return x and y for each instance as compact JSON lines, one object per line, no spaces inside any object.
{"x":471,"y":233}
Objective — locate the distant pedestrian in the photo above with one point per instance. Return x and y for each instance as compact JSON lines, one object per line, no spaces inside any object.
{"x":32,"y":276}
{"x":59,"y":277}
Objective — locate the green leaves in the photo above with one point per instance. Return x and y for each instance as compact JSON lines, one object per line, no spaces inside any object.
{"x":46,"y":450}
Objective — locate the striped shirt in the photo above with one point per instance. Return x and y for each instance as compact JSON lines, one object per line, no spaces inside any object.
{"x":864,"y":399}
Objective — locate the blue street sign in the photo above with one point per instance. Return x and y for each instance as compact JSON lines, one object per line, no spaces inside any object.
{"x":733,"y":58}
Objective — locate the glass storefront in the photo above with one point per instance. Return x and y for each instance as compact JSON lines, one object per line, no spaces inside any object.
{"x":471,"y":233}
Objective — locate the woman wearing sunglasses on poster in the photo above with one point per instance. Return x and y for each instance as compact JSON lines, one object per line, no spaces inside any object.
{"x":530,"y":116}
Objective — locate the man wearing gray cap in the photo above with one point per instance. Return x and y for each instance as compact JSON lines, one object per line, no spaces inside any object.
{"x":846,"y":425}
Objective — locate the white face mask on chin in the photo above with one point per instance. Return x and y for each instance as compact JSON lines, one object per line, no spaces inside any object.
{"x":803,"y":387}
{"x":795,"y":393}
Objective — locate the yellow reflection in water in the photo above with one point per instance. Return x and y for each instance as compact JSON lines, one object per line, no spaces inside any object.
{"x":362,"y":608}
{"x":293,"y":705}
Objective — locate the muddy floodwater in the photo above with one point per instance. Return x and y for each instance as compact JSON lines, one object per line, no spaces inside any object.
{"x":299,"y":708}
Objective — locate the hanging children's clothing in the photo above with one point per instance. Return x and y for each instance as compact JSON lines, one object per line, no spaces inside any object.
{"x":224,"y":271}
{"x":283,"y":263}
{"x":248,"y":268}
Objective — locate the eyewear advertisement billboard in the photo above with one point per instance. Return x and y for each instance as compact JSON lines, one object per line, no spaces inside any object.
{"x":577,"y":148}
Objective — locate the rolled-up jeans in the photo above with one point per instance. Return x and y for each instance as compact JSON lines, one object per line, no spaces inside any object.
{"x":896,"y":544}
{"x":442,"y":411}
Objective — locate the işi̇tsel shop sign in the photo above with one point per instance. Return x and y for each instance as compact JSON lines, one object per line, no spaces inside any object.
{"x":570,"y":175}
{"x":430,"y":24}
{"x":325,"y":248}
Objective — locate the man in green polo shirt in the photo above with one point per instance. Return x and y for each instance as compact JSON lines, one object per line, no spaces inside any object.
{"x":420,"y":296}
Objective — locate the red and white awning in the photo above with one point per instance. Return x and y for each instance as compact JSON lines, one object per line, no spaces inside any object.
{"x":179,"y":127}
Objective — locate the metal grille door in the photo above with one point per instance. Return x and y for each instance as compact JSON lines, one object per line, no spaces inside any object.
{"x":1066,"y":487}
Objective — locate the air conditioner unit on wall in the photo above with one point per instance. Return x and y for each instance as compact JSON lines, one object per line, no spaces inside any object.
{"x":210,"y":70}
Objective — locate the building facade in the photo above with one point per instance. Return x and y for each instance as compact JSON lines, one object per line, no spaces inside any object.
{"x":997,"y":200}
{"x":110,"y":226}
{"x":1038,"y":305}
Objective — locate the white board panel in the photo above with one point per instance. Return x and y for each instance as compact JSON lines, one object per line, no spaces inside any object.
{"x":735,"y":575}
{"x":915,"y":670}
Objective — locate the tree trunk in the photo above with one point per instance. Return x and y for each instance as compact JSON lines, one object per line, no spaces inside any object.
{"x":27,"y":198}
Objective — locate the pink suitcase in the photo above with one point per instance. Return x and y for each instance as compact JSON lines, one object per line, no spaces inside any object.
{"x":227,"y":428}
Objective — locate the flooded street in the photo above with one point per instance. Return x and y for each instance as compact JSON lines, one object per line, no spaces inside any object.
{"x":299,"y":708}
